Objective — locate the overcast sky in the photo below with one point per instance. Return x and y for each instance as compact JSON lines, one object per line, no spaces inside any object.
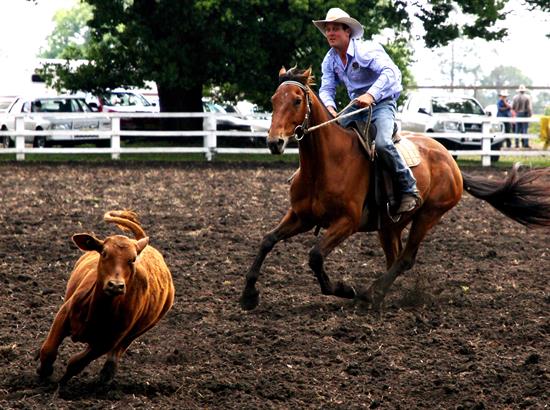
{"x":24,"y":27}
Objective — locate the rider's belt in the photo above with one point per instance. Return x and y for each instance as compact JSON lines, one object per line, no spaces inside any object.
{"x":384,"y":100}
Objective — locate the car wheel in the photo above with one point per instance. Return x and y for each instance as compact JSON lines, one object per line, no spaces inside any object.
{"x":5,"y":140}
{"x":39,"y":142}
{"x":495,"y":158}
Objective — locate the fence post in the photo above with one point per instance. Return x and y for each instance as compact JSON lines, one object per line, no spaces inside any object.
{"x":486,"y":144}
{"x":115,"y":138}
{"x":210,"y":139}
{"x":19,"y":138}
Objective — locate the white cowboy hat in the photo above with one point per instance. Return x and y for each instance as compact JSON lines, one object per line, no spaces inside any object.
{"x":503,"y":93}
{"x":522,"y":88}
{"x":336,"y":15}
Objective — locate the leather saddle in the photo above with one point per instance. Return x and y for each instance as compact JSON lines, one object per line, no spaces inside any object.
{"x":382,"y":199}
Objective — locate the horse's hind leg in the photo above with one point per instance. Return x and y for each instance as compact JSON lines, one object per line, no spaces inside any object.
{"x":289,"y":226}
{"x":421,"y":224}
{"x":335,"y":235}
{"x":390,"y":239}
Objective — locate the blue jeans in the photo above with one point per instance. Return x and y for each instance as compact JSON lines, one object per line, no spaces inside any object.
{"x":383,"y":116}
{"x":521,"y":128}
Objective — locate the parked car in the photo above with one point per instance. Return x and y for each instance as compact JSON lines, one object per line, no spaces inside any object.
{"x":226,"y":121}
{"x":258,"y":120}
{"x":229,"y":118}
{"x":122,"y":100}
{"x":57,"y":108}
{"x":450,"y":114}
{"x":5,"y":103}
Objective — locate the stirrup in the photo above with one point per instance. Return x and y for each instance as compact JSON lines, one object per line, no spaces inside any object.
{"x":394,"y":219}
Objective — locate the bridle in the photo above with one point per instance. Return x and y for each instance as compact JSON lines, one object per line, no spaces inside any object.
{"x":301,"y":130}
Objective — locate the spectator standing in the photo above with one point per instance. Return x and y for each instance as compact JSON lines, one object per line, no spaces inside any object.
{"x":504,"y":109}
{"x":522,"y":105}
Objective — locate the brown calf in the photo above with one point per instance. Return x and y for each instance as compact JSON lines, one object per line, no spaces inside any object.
{"x":119,"y":289}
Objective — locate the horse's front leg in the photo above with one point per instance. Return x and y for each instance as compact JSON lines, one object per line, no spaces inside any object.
{"x":334,"y":236}
{"x":289,"y":226}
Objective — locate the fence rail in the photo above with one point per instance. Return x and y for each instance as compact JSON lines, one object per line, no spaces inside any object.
{"x":209,"y":135}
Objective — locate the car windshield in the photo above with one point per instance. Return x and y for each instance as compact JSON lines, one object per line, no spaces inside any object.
{"x":122,"y":99}
{"x":60,"y":105}
{"x":4,"y":105}
{"x":457,"y":105}
{"x":211,"y":107}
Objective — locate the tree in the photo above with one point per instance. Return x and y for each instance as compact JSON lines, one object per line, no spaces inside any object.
{"x":239,"y":46}
{"x":184,"y":47}
{"x":71,"y":34}
{"x":504,"y":78}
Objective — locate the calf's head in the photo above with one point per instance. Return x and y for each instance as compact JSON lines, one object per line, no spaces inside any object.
{"x":117,"y":259}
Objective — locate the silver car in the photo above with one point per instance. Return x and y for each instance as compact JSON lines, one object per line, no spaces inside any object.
{"x":457,"y":117}
{"x":53,"y":113}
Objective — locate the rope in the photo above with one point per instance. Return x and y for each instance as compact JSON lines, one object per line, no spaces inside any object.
{"x":338,"y":117}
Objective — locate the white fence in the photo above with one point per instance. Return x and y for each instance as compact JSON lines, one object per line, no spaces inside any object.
{"x":209,"y":135}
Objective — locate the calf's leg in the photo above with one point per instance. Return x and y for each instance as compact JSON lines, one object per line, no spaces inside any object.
{"x":48,"y":352}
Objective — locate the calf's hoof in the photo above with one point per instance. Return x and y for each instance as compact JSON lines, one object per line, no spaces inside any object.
{"x":250,"y":299}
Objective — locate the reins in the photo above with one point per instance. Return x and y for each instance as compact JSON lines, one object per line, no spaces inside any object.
{"x":301,"y":130}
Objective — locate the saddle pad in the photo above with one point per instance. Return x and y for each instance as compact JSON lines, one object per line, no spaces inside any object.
{"x":409,"y":151}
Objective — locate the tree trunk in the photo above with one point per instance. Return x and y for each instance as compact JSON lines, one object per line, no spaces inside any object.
{"x":178,"y":99}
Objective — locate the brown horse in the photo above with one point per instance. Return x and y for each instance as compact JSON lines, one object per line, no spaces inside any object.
{"x":329,"y":190}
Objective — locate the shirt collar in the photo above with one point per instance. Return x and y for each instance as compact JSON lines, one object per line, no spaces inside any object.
{"x":350,"y":51}
{"x":351,"y":48}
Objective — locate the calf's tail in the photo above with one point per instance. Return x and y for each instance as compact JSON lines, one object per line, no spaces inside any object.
{"x":127,"y":221}
{"x":523,"y":197}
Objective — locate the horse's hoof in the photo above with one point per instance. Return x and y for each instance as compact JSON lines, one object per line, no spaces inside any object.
{"x":44,"y":371}
{"x":250,"y":299}
{"x":344,"y":290}
{"x":107,"y":373}
{"x":370,"y":297}
{"x":362,"y":296}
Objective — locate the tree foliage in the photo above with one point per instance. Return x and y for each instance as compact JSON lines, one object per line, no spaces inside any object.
{"x":71,"y":34}
{"x":240,"y":46}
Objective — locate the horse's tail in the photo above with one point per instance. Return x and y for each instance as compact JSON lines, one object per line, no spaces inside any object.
{"x":523,"y":197}
{"x":127,"y":221}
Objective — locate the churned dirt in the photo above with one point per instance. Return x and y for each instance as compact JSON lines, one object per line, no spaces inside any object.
{"x":467,"y":328}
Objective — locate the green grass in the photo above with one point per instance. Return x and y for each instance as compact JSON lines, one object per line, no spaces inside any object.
{"x":463,"y":161}
{"x":98,"y":158}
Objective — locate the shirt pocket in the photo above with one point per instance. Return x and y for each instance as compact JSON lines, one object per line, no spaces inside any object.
{"x":356,"y":73}
{"x":338,"y":74}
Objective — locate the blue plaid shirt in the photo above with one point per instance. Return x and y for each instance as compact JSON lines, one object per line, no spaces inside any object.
{"x":369,"y":69}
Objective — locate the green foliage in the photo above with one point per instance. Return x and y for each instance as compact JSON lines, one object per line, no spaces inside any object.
{"x":504,"y":78}
{"x":70,"y":35}
{"x":238,"y":47}
{"x":439,"y":20}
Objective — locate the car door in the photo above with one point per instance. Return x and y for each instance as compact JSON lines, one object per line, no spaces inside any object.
{"x":83,"y":122}
{"x":417,"y":113}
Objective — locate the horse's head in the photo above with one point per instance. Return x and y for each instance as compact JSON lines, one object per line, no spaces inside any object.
{"x":290,"y":108}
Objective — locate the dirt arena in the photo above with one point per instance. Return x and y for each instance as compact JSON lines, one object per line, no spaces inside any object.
{"x":468,"y":328}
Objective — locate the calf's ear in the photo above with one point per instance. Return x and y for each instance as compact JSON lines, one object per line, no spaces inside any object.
{"x":88,"y":242}
{"x":141,"y":244}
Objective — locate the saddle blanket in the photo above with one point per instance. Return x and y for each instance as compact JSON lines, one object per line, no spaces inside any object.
{"x":408,"y":151}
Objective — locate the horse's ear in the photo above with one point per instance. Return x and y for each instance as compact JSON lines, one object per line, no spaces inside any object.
{"x":310,"y":79}
{"x":282,"y":71}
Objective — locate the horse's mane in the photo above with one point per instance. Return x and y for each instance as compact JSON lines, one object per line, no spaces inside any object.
{"x":303,"y":76}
